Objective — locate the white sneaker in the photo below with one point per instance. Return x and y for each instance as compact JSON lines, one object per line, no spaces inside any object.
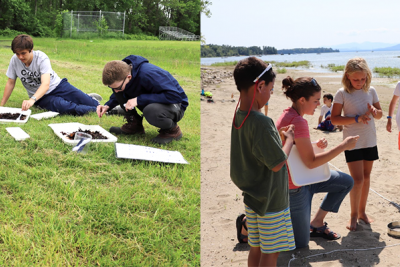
{"x":96,"y":97}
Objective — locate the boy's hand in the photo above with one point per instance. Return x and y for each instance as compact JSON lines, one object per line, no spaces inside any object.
{"x":350,"y":142}
{"x":131,"y":104}
{"x":322,"y":143}
{"x":100,"y":110}
{"x":287,"y":132}
{"x":26,"y":104}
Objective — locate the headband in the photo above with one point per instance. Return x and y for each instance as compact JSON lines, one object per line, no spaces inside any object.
{"x":266,"y":69}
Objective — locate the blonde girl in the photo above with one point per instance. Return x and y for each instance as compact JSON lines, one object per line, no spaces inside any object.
{"x":359,"y":103}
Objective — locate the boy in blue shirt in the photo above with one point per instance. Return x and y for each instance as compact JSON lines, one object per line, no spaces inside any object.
{"x":138,"y":84}
{"x":258,"y":164}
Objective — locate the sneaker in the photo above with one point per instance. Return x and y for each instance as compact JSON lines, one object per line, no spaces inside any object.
{"x":116,"y":111}
{"x":166,"y":136}
{"x":96,"y":97}
{"x":132,"y":126}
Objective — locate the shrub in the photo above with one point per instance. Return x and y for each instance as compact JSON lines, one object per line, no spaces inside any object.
{"x":387,"y":71}
{"x":335,"y":68}
{"x":10,"y":33}
{"x":281,"y":70}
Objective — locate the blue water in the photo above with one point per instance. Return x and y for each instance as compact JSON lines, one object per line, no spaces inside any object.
{"x":374,"y":59}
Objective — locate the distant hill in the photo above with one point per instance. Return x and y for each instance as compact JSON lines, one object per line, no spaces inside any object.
{"x":365,"y":46}
{"x":391,"y":48}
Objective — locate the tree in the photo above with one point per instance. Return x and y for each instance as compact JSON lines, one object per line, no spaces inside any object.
{"x":205,"y":9}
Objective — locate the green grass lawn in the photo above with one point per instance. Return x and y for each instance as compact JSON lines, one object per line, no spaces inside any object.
{"x":59,"y":208}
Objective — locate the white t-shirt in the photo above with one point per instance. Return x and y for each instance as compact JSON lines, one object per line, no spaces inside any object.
{"x":31,"y":76}
{"x":324,"y":110}
{"x":356,"y":104}
{"x":397,"y":93}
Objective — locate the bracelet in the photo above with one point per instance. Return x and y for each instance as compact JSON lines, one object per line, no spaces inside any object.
{"x":389,"y":117}
{"x":356,"y":117}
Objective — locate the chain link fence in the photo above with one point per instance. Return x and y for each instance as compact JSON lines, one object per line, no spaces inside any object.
{"x":175,"y":33}
{"x":82,"y":24}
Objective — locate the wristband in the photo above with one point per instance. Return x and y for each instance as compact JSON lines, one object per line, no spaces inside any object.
{"x":356,"y":117}
{"x":389,"y":117}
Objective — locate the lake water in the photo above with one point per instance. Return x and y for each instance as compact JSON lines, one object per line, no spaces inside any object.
{"x":374,"y":59}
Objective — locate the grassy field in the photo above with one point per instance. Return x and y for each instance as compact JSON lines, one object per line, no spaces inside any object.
{"x":59,"y":208}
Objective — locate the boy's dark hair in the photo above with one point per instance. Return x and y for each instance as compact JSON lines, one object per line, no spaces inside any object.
{"x":248,"y":69}
{"x":328,"y":96}
{"x":301,"y":87}
{"x":22,"y":42}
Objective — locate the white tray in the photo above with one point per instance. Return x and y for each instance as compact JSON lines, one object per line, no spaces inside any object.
{"x":15,"y":110}
{"x":44,"y":115}
{"x":74,"y":126}
{"x":17,"y":133}
{"x":301,"y":174}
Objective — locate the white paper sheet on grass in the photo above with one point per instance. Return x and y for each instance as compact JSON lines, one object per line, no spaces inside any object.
{"x":128,"y":151}
{"x":17,"y":133}
{"x":44,"y":115}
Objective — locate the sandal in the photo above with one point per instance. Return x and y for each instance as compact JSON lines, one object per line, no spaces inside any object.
{"x":239,"y":224}
{"x":320,"y":232}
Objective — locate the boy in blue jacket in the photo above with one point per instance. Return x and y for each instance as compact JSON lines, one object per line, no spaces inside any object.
{"x":155,"y":92}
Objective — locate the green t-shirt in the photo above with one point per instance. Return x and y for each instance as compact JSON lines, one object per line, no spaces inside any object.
{"x":256,"y":149}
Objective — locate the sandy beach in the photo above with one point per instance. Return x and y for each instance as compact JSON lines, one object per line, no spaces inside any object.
{"x":221,"y":200}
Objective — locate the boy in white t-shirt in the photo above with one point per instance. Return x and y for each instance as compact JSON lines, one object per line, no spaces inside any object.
{"x":324,"y":120}
{"x":45,"y":88}
{"x":392,"y":106}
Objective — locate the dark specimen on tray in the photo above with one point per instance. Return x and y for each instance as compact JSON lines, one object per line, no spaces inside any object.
{"x":95,"y":134}
{"x":12,"y":116}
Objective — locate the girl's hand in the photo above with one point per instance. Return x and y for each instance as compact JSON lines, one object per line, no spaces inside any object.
{"x":364,"y":118}
{"x":372,"y":110}
{"x":350,"y":142}
{"x":322,"y":143}
{"x":389,"y":126}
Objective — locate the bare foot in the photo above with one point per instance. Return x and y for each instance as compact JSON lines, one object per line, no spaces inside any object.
{"x":365,"y":218}
{"x":352,"y":224}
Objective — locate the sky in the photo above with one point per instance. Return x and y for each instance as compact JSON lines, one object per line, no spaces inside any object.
{"x":301,"y":23}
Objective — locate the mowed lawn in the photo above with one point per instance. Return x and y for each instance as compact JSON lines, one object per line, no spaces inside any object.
{"x":59,"y":208}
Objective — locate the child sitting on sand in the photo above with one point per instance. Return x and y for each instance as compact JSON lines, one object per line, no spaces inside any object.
{"x":326,"y":109}
{"x":360,"y":105}
{"x":258,"y":165}
{"x":392,"y":106}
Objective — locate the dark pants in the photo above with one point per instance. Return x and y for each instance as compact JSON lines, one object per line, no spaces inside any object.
{"x":163,"y":116}
{"x":67,"y":99}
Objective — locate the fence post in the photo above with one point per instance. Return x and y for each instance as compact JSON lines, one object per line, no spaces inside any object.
{"x":70,"y":32}
{"x":101,"y":30}
{"x":123,"y":26}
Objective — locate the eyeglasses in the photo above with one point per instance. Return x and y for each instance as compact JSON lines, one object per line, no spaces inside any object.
{"x":266,"y":69}
{"x":119,"y":87}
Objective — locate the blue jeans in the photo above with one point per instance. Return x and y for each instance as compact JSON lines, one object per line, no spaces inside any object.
{"x":337,"y":187}
{"x":67,"y":99}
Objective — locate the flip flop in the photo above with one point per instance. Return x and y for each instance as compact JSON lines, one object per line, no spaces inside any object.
{"x":320,"y":232}
{"x":239,"y":224}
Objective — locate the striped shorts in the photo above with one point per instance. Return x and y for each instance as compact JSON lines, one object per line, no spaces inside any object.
{"x":272,"y":232}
